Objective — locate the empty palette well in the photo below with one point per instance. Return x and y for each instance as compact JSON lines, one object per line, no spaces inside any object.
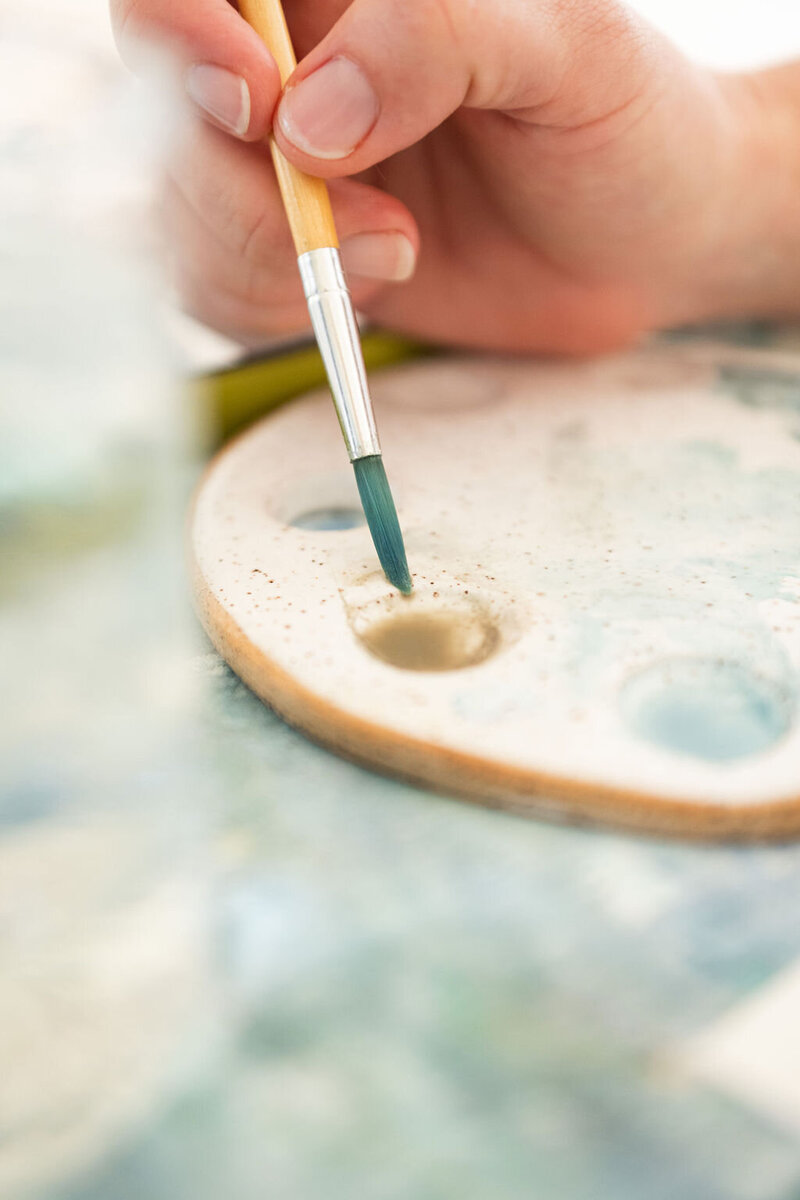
{"x":708,"y":709}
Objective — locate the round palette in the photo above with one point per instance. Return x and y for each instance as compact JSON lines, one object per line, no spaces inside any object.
{"x":605,"y":622}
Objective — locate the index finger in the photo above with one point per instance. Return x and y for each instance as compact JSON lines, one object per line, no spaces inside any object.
{"x":205,"y":34}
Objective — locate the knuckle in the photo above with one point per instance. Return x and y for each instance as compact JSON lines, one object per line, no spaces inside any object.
{"x":240,"y":207}
{"x":258,"y":234}
{"x":602,"y":21}
{"x":603,"y":49}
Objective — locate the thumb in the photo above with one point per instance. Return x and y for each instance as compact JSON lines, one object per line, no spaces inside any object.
{"x":388,"y":73}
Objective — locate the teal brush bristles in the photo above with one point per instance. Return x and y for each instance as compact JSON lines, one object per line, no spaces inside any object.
{"x":381,"y":514}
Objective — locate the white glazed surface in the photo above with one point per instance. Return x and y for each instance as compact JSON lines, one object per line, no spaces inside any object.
{"x":609,"y":517}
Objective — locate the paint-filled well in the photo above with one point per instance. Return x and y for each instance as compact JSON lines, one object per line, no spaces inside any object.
{"x":432,"y":641}
{"x":443,"y":626}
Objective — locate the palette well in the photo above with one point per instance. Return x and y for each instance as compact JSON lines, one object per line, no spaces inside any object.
{"x":605,"y":624}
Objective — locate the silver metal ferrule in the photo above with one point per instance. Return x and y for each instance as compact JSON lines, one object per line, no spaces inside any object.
{"x":336,"y":331}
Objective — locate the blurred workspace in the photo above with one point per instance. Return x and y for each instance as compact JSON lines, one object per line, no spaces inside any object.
{"x":233,"y":965}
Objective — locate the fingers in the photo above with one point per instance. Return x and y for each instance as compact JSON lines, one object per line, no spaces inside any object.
{"x":228,"y":238}
{"x":387,"y":74}
{"x":226,"y":68}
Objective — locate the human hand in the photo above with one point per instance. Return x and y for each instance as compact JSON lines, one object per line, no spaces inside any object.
{"x":561,"y":176}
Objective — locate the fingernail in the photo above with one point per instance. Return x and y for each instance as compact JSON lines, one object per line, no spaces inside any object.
{"x":329,"y":113}
{"x":388,"y":256}
{"x":224,"y":95}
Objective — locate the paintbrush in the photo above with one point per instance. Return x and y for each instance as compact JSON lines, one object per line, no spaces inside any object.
{"x":308,"y":209}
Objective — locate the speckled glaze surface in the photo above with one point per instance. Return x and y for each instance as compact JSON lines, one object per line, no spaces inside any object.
{"x":606,"y":560}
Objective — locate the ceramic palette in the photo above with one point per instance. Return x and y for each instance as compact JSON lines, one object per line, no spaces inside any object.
{"x":606,"y":556}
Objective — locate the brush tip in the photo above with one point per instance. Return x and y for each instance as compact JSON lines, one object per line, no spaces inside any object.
{"x":381,"y":514}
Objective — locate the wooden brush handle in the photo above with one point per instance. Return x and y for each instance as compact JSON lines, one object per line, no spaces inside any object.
{"x":305,"y":198}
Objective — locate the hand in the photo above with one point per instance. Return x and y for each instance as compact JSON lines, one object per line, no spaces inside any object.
{"x":561,"y":177}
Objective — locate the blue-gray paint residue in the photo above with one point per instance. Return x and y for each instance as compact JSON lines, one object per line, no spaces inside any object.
{"x":761,"y":387}
{"x":710,"y":709}
{"x":331,"y":519}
